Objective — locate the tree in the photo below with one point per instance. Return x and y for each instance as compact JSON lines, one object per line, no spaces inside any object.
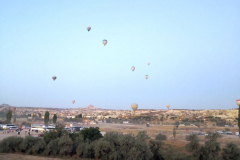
{"x":213,"y":136}
{"x":91,"y":133}
{"x":177,"y":124}
{"x":9,"y":116}
{"x":239,"y":119}
{"x":142,"y":136}
{"x":79,"y":116}
{"x":174,"y":133}
{"x":194,"y":143}
{"x":231,"y":151}
{"x":161,"y":137}
{"x":46,"y":118}
{"x":209,"y":151}
{"x":54,"y":118}
{"x":39,"y":115}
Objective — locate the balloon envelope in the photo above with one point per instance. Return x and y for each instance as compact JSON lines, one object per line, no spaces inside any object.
{"x":134,"y":107}
{"x":146,"y":76}
{"x":73,"y":101}
{"x":132,"y":68}
{"x":168,"y":106}
{"x":238,"y":102}
{"x":54,"y":78}
{"x":88,"y":28}
{"x":148,"y":63}
{"x":104,"y":42}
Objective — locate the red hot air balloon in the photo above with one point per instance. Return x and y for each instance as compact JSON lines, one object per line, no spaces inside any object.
{"x":238,"y":102}
{"x":88,"y":28}
{"x":104,"y":42}
{"x":132,"y":68}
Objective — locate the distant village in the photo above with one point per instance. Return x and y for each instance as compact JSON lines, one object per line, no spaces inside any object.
{"x":95,"y":115}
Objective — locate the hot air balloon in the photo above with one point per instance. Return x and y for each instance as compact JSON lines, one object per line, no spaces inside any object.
{"x":134,"y":107}
{"x":148,"y":63}
{"x":54,"y":78}
{"x":146,"y":76}
{"x":238,"y":102}
{"x":168,"y":106}
{"x":73,"y":101}
{"x":132,"y":68}
{"x":88,"y":28}
{"x":104,"y":42}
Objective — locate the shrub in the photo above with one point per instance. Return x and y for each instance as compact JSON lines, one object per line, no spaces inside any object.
{"x":161,"y":137}
{"x":39,"y":146}
{"x":65,"y":145}
{"x":56,"y":133}
{"x":103,"y":149}
{"x":52,"y":147}
{"x":194,"y":143}
{"x":212,"y":136}
{"x":10,"y":144}
{"x":231,"y":151}
{"x":78,"y":140}
{"x":32,"y":145}
{"x":80,"y":149}
{"x":209,"y":151}
{"x":91,"y":133}
{"x":142,"y":136}
{"x":155,"y":146}
{"x":88,"y":151}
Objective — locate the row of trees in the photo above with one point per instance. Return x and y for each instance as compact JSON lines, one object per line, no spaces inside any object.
{"x":46,"y":117}
{"x":89,"y":143}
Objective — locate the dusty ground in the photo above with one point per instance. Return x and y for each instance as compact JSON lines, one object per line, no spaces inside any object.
{"x":24,"y":157}
{"x":182,"y":131}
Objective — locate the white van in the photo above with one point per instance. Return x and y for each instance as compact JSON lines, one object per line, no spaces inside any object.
{"x":9,"y":126}
{"x":237,"y":133}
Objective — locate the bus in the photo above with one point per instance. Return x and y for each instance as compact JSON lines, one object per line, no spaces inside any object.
{"x":37,"y":127}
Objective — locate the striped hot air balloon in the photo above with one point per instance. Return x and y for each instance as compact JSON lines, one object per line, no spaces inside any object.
{"x":104,"y":42}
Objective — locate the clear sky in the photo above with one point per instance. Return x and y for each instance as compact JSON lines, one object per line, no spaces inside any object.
{"x":193,"y":48}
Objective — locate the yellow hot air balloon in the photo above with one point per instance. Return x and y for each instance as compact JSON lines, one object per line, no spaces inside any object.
{"x":73,"y":101}
{"x":134,"y":107}
{"x":168,"y":106}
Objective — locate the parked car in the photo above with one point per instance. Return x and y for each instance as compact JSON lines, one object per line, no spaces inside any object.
{"x":228,"y":133}
{"x":40,"y":135}
{"x":199,"y":134}
{"x":237,"y":133}
{"x":220,"y":132}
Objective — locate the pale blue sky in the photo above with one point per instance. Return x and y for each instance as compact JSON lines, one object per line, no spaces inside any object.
{"x":193,"y":47}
